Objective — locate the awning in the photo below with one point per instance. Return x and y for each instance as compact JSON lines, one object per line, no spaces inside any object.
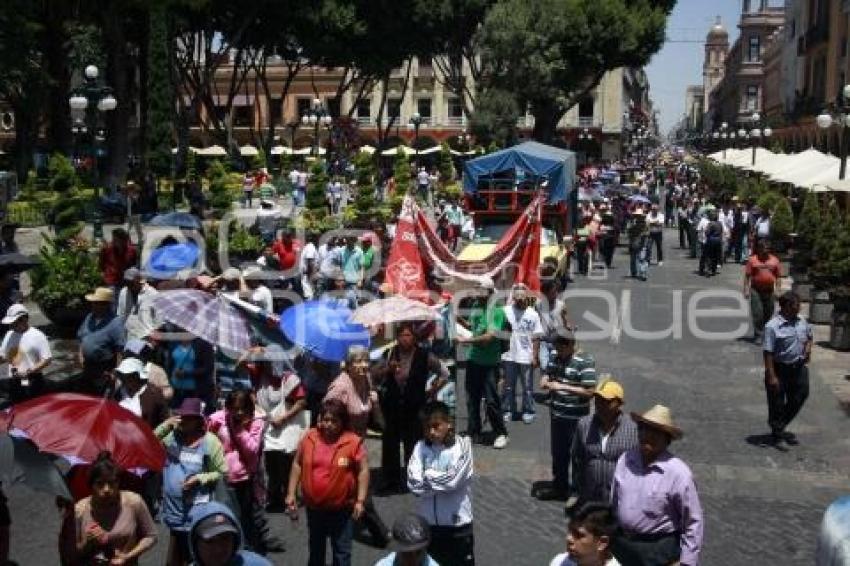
{"x":367,"y":149}
{"x":281,"y":150}
{"x":402,"y":148}
{"x":212,"y":151}
{"x":248,"y":151}
{"x":309,"y":151}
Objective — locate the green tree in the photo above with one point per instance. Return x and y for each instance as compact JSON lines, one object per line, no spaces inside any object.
{"x":63,"y":176}
{"x":365,"y":207}
{"x":221,"y":199}
{"x":827,"y":234}
{"x":316,"y":200}
{"x":445,"y":165}
{"x":191,"y":165}
{"x":782,"y":222}
{"x":401,"y":173}
{"x":259,"y":160}
{"x":160,"y":134}
{"x":551,"y":53}
{"x":808,"y":222}
{"x":839,"y":258}
{"x":495,"y":117}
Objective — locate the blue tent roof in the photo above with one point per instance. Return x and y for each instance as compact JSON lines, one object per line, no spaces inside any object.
{"x":558,"y":166}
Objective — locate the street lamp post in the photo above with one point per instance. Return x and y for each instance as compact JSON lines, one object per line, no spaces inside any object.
{"x":416,"y":122}
{"x":316,"y":116}
{"x":89,"y":103}
{"x":842,"y":119}
{"x":759,"y":132}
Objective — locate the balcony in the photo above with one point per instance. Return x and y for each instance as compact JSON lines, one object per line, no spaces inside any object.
{"x":817,"y":34}
{"x":455,"y":121}
{"x":364,"y":120}
{"x":585,"y":121}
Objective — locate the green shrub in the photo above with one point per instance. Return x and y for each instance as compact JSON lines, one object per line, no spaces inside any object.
{"x":827,"y":234}
{"x":242,"y":242}
{"x":63,"y":177}
{"x":810,"y":218}
{"x":768,"y":202}
{"x":68,"y":271}
{"x":401,"y":173}
{"x":315,"y":201}
{"x":445,"y":165}
{"x":782,"y":222}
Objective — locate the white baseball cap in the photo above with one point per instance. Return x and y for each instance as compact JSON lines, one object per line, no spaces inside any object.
{"x":132,"y":365}
{"x":15,"y":312}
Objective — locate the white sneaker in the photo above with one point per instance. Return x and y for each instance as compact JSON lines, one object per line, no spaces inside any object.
{"x":528,"y":418}
{"x":506,"y":417}
{"x":500,"y":442}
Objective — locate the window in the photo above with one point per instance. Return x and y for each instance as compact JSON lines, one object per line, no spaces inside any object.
{"x":455,"y":108}
{"x":423,"y":107}
{"x":752,"y":98}
{"x":394,"y":108}
{"x":303,"y":105}
{"x":585,"y":107}
{"x":332,"y":105}
{"x":754,"y":49}
{"x":243,"y":116}
{"x":276,"y":111}
{"x":364,"y":108}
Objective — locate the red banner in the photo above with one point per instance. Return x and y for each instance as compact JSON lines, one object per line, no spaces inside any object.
{"x":405,"y":271}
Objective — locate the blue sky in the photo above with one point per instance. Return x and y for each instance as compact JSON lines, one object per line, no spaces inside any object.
{"x":679,"y":64}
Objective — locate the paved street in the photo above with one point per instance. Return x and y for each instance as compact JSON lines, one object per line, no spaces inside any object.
{"x":762,"y":506}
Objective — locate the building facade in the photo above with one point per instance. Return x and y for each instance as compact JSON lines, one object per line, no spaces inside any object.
{"x":694,"y":110}
{"x":740,"y":92}
{"x":714,"y":64}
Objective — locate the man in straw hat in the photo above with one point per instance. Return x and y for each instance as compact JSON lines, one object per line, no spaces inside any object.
{"x":655,"y":498}
{"x":101,"y":337}
{"x":600,"y":439}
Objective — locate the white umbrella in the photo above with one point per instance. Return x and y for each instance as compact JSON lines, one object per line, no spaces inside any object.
{"x":249,"y":151}
{"x":367,"y":149}
{"x":394,"y":151}
{"x":281,"y":150}
{"x":212,"y":151}
{"x":429,"y":150}
{"x":191,"y":149}
{"x":309,"y":151}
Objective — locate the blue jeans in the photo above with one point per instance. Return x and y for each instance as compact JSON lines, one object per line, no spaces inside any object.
{"x":514,"y":371}
{"x":335,"y":525}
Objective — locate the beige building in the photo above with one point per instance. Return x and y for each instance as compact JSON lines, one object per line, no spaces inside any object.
{"x":694,"y":111}
{"x":714,"y":64}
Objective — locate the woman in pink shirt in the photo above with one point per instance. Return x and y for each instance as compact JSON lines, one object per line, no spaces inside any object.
{"x":240,"y":430}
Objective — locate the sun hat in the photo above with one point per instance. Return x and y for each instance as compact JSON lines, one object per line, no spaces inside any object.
{"x":15,"y":312}
{"x":610,"y":389}
{"x":101,"y":295}
{"x":214,"y":525}
{"x":410,"y":533}
{"x":190,"y":407}
{"x":659,"y":417}
{"x":132,"y":365}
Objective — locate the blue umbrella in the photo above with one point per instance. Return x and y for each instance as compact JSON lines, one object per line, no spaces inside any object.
{"x":177,"y":220}
{"x":639,"y":198}
{"x":323,"y":330}
{"x":165,"y":262}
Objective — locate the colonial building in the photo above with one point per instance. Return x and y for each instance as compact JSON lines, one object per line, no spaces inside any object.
{"x":694,"y":110}
{"x":713,"y":65}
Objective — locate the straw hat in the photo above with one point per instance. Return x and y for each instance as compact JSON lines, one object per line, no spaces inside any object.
{"x":660,"y":418}
{"x":101,"y":295}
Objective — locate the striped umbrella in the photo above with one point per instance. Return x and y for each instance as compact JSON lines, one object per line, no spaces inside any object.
{"x":211,"y":318}
{"x":392,"y":309}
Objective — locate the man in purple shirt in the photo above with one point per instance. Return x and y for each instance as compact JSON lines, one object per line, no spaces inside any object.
{"x":655,"y":498}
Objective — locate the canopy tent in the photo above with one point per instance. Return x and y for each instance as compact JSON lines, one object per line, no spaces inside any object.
{"x":174,"y":150}
{"x":429,"y":150}
{"x":281,"y":150}
{"x":557,"y":166}
{"x":801,"y":167}
{"x":469,"y":152}
{"x":744,"y":159}
{"x":309,"y":151}
{"x":832,"y":186}
{"x":212,"y":151}
{"x":402,"y":148}
{"x":248,"y":151}
{"x":768,"y":163}
{"x":367,"y":149}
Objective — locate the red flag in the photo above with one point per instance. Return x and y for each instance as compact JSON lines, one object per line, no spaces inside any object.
{"x":405,"y":271}
{"x":529,"y":263}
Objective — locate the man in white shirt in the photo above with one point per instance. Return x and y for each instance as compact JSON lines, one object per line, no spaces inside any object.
{"x":268,"y":219}
{"x":260,"y":294}
{"x":526,"y":330}
{"x":136,"y":305}
{"x":26,"y":353}
{"x":423,"y":181}
{"x":301,"y":188}
{"x":309,"y":266}
{"x":655,"y":221}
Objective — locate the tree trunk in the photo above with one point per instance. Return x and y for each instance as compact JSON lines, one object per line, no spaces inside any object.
{"x":144,"y":78}
{"x":58,"y":113}
{"x":546,"y":118}
{"x":118,"y":77}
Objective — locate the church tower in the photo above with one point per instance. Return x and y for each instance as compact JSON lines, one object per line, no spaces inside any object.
{"x":716,"y":49}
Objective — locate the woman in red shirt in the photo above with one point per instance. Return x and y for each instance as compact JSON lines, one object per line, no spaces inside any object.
{"x":332,"y":468}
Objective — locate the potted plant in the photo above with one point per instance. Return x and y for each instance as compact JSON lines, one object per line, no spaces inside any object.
{"x":823,"y":278}
{"x":839,"y":292}
{"x":781,"y":226}
{"x":243,"y":244}
{"x":60,"y":283}
{"x":802,"y":256}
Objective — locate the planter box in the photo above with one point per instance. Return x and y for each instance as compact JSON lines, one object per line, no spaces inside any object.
{"x":66,"y":321}
{"x":803,"y":290}
{"x":839,"y":332}
{"x":820,"y":311}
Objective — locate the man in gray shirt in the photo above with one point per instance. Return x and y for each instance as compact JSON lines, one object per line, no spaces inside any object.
{"x":787,"y":349}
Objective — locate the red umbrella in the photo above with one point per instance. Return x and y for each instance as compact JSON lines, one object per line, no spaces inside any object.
{"x":79,"y":426}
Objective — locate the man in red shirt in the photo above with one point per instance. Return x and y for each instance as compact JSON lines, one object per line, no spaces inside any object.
{"x":116,"y":257}
{"x":288,"y":250}
{"x":761,"y":285}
